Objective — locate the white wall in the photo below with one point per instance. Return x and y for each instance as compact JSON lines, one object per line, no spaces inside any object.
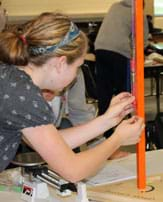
{"x":158,"y":22}
{"x":86,"y":8}
{"x":149,"y":7}
{"x":35,"y":7}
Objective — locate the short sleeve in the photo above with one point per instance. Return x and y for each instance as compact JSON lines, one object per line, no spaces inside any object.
{"x":23,"y":105}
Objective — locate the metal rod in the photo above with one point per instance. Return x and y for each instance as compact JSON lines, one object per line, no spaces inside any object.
{"x":48,"y":182}
{"x":50,"y":178}
{"x":53,"y":174}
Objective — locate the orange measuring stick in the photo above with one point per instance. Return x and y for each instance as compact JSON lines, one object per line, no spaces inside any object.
{"x":139,"y":62}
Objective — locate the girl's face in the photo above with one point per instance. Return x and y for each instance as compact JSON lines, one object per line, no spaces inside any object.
{"x":64,"y":73}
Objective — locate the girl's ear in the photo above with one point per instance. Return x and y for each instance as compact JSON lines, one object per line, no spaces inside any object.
{"x":63,"y":59}
{"x":61,"y":62}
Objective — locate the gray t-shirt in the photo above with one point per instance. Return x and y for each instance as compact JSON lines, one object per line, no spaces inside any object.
{"x":21,"y":106}
{"x":116,"y":29}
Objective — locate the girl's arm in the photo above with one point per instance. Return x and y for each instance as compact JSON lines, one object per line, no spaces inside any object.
{"x":120,"y":106}
{"x":74,"y":167}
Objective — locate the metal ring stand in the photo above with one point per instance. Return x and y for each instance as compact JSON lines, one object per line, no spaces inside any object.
{"x":29,"y":159}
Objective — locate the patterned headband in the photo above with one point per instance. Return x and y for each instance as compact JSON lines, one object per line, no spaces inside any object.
{"x":70,"y":36}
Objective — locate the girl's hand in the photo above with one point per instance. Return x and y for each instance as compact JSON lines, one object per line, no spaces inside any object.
{"x":120,"y":106}
{"x":118,"y":98}
{"x":129,"y":131}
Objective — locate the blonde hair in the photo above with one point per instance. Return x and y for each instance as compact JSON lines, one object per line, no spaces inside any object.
{"x":46,"y":30}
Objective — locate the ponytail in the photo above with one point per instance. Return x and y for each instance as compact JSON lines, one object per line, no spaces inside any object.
{"x":13,"y":49}
{"x":48,"y":35}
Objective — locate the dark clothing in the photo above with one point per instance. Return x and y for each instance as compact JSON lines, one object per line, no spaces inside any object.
{"x":21,"y":106}
{"x":113,"y":47}
{"x":110,"y":81}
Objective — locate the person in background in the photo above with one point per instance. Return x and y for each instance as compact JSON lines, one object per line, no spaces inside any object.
{"x":70,"y":108}
{"x":71,"y":104}
{"x":79,"y":111}
{"x":113,"y":53}
{"x":45,"y":53}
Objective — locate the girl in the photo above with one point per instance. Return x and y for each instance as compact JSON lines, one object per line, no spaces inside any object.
{"x":45,"y":53}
